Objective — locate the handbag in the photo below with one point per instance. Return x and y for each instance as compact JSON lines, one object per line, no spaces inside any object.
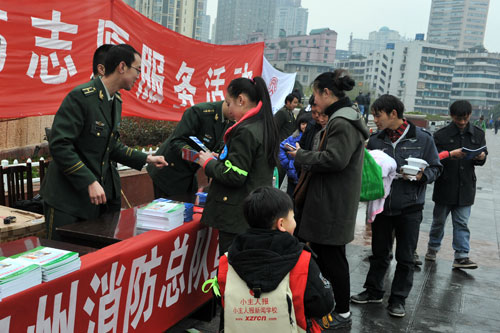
{"x":372,"y":185}
{"x":299,"y":194}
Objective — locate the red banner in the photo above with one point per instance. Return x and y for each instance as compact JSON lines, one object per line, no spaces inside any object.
{"x":142,"y":284}
{"x":46,"y":49}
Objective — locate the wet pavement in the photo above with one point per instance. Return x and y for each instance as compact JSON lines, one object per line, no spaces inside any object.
{"x":442,"y":299}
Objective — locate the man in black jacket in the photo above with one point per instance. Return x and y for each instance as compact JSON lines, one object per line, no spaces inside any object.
{"x":455,"y":189}
{"x":403,"y":206}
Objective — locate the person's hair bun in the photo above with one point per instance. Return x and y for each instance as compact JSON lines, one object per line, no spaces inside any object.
{"x":346,"y":83}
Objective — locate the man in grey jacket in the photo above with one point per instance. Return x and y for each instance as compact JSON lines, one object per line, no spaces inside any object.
{"x":403,"y":207}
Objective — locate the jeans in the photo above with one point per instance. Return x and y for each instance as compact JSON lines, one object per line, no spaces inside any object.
{"x":406,"y":228}
{"x":461,"y":234}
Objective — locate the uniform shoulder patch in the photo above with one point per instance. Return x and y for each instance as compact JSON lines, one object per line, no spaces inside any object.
{"x":208,"y":111}
{"x":88,"y":91}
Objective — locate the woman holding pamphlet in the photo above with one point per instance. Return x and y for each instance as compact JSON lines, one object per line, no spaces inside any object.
{"x":246,"y":162}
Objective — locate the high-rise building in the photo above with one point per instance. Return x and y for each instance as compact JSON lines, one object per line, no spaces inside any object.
{"x":291,"y":18}
{"x":477,"y":79}
{"x":377,"y":41}
{"x":238,"y":18}
{"x":458,"y":23}
{"x":417,"y":72}
{"x":306,"y":55}
{"x":187,"y":17}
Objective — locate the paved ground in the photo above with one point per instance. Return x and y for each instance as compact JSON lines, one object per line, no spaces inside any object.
{"x":442,"y":299}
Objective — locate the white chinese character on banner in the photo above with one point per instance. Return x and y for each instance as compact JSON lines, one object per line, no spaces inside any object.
{"x":244,"y":71}
{"x":61,"y":321}
{"x":110,"y":33}
{"x":216,"y":82}
{"x":198,"y":271}
{"x":5,"y":324}
{"x":139,"y":294}
{"x":109,"y":302}
{"x":3,"y":42}
{"x":151,"y":86}
{"x":55,"y":26}
{"x":185,"y":91}
{"x":176,"y":287}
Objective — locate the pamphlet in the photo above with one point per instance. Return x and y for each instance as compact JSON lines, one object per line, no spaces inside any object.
{"x":190,"y":155}
{"x":471,"y":153}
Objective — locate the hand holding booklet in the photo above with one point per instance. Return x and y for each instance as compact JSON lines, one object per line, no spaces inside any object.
{"x":471,"y":153}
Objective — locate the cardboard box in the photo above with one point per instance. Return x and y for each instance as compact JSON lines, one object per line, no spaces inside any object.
{"x":27,"y":224}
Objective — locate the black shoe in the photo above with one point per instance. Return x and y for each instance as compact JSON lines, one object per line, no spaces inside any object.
{"x":464,"y":263}
{"x":333,"y":321}
{"x":365,"y":297}
{"x":418,"y":262}
{"x":396,"y":310}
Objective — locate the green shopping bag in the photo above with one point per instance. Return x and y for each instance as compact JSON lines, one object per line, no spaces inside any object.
{"x":372,"y":186}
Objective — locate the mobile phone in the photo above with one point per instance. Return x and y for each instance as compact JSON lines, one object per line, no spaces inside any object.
{"x":289,"y":146}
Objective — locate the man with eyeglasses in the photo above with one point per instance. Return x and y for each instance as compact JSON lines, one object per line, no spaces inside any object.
{"x":84,"y":140}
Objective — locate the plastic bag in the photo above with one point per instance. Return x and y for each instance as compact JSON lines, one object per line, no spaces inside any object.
{"x":372,"y":185}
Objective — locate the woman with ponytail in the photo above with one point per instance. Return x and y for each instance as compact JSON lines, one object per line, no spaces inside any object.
{"x":332,"y":196}
{"x":247,"y":161}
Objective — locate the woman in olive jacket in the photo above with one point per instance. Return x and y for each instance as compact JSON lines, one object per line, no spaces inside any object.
{"x":332,"y":197}
{"x":247,"y":161}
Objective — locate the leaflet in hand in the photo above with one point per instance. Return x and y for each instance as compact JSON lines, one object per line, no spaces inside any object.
{"x":199,"y":143}
{"x":190,"y":154}
{"x":471,"y":153}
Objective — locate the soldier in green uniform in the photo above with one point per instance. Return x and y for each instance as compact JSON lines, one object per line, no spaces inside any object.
{"x":285,"y":121}
{"x":208,"y":122}
{"x":85,"y":139}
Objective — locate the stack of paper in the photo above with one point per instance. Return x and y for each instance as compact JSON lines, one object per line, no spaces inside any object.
{"x":161,"y":214}
{"x":17,"y":275}
{"x":54,"y":262}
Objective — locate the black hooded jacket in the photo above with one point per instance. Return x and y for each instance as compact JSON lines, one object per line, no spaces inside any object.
{"x":262,"y":258}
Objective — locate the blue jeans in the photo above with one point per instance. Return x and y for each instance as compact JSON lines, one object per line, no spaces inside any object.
{"x":461,"y":234}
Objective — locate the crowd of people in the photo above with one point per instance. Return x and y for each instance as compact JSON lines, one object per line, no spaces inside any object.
{"x":289,"y":246}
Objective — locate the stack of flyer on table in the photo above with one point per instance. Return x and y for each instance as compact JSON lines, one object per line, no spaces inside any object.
{"x":17,"y":275}
{"x":161,"y":214}
{"x":53,"y":262}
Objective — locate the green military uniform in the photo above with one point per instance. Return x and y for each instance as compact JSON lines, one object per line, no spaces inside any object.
{"x":207,"y":123}
{"x":84,"y":141}
{"x":285,"y":121}
{"x":243,"y":166}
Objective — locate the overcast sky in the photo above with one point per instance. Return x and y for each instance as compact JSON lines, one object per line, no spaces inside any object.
{"x":363,"y":16}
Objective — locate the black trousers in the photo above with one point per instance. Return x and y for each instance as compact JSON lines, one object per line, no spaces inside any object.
{"x":333,"y":264}
{"x":406,"y":228}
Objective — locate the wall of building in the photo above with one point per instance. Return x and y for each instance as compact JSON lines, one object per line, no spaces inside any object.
{"x":23,"y":132}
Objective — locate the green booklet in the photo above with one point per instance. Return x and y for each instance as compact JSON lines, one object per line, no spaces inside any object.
{"x":12,"y":269}
{"x":47,"y":257}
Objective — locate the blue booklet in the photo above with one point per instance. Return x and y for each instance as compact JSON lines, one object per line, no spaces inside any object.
{"x":471,"y":153}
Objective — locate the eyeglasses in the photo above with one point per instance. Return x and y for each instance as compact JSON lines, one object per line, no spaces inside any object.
{"x":137,"y":69}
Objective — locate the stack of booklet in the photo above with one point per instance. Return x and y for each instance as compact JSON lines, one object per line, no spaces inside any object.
{"x":17,"y":275}
{"x":53,"y":262}
{"x":161,"y":214}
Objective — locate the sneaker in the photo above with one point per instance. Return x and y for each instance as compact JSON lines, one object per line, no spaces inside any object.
{"x":396,"y":310}
{"x":465,"y":263}
{"x":333,"y":321}
{"x":365,"y":297}
{"x":417,"y":260}
{"x":430,"y":255}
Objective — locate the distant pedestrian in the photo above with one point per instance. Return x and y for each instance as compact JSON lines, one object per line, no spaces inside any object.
{"x":497,"y":125}
{"x":455,"y":189}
